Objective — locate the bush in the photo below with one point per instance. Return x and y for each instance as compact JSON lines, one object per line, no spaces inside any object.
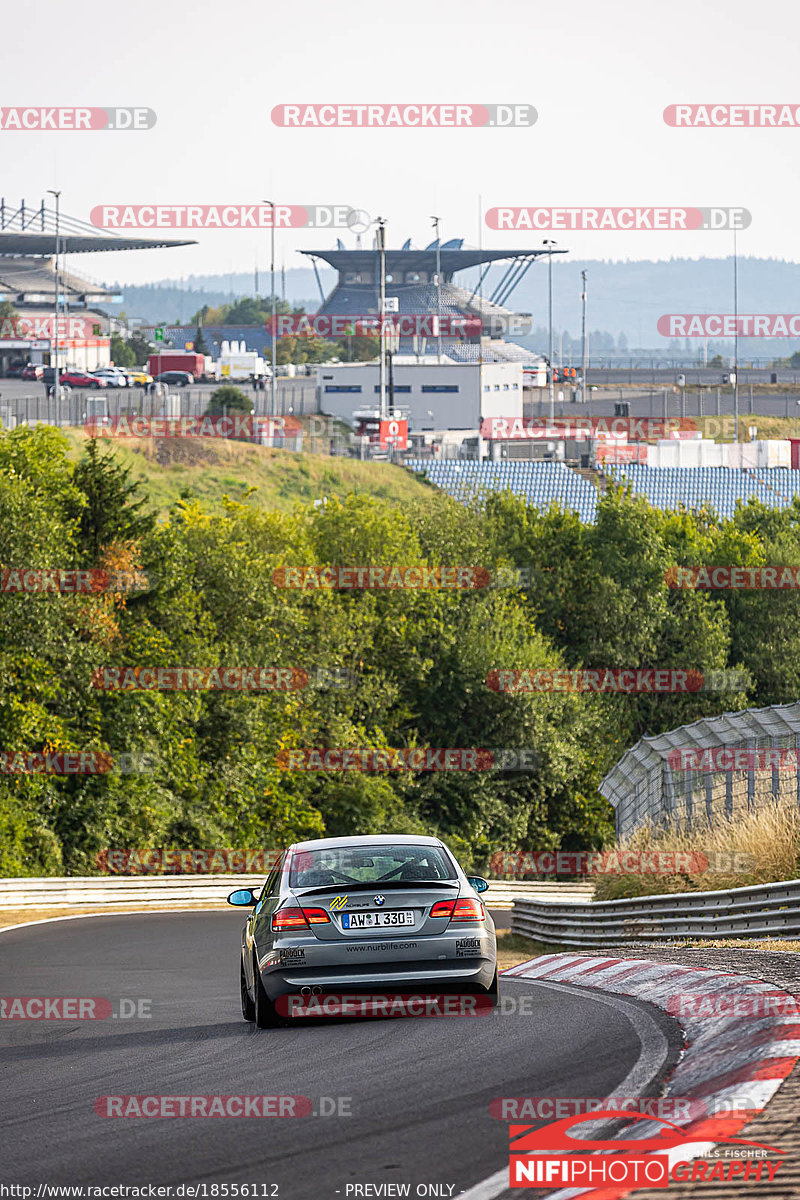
{"x":228,"y":399}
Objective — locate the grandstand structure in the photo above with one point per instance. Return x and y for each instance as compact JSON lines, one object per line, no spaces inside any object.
{"x":718,"y":488}
{"x":543,"y":482}
{"x":33,"y":242}
{"x":412,"y":289}
{"x":540,"y":483}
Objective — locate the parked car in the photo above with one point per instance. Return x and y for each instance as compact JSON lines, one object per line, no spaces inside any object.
{"x":138,"y":377}
{"x":176,"y":378}
{"x":32,"y":371}
{"x":80,"y":379}
{"x":15,"y":372}
{"x":113,"y":376}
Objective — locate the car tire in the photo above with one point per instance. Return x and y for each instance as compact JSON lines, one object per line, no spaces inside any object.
{"x":248,"y":1005}
{"x":494,"y":990}
{"x":264,"y":1011}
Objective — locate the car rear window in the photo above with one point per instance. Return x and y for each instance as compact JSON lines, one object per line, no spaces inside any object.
{"x":373,"y":864}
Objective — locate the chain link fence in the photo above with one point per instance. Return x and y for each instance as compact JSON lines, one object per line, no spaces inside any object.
{"x":714,"y":769}
{"x":295,"y":397}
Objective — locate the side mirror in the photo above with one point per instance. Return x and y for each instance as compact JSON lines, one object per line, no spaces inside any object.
{"x":479,"y":884}
{"x":242,"y":898}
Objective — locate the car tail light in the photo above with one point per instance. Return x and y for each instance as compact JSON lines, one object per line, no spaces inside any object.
{"x":316,"y":916}
{"x":459,"y":911}
{"x":298,"y":918}
{"x":468,"y":910}
{"x":289,"y":918}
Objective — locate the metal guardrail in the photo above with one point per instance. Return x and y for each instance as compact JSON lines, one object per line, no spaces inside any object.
{"x":150,"y":890}
{"x":766,"y":910}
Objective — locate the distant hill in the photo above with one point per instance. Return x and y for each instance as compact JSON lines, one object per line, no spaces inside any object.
{"x":175,"y":301}
{"x":629,"y":297}
{"x":623,"y":297}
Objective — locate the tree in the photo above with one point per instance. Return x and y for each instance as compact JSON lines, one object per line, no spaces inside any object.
{"x":228,"y":399}
{"x":7,"y":311}
{"x":622,"y":342}
{"x":250,"y":310}
{"x":200,"y":343}
{"x":141,"y":350}
{"x":121,"y":353}
{"x":115,"y":508}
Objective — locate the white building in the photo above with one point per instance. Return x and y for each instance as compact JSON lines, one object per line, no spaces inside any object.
{"x":446,"y":395}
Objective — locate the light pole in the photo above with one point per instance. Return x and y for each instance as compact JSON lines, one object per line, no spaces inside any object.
{"x":381,"y":239}
{"x":735,"y":341}
{"x":435,"y":221}
{"x":550,"y":243}
{"x":272,"y":305}
{"x":584,"y":362}
{"x":56,"y":381}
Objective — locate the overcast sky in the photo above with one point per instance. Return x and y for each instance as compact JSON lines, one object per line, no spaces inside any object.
{"x":599,"y":75}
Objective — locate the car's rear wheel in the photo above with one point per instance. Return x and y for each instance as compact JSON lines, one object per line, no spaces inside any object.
{"x":248,"y":1006}
{"x":494,"y":990}
{"x":265,"y":1013}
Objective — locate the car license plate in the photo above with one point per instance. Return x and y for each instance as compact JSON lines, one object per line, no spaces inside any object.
{"x":374,"y":920}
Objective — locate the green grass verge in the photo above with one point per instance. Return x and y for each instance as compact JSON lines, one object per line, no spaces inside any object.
{"x":204,"y":470}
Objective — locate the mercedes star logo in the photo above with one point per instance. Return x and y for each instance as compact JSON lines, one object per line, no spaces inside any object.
{"x":379,"y":899}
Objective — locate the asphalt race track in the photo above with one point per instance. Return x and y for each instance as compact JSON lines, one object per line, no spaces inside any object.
{"x":418,"y":1089}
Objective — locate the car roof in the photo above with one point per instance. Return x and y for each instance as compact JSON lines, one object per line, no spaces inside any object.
{"x":369,"y":839}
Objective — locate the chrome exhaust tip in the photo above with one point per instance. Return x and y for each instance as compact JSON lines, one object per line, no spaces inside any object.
{"x":305,"y":991}
{"x":315,"y":991}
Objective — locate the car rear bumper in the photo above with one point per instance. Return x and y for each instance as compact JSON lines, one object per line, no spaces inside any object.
{"x":454,"y":962}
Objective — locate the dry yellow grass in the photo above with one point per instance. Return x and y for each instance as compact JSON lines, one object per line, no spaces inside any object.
{"x":770,"y":836}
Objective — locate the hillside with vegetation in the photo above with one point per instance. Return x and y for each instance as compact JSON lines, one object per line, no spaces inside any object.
{"x":416,"y":661}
